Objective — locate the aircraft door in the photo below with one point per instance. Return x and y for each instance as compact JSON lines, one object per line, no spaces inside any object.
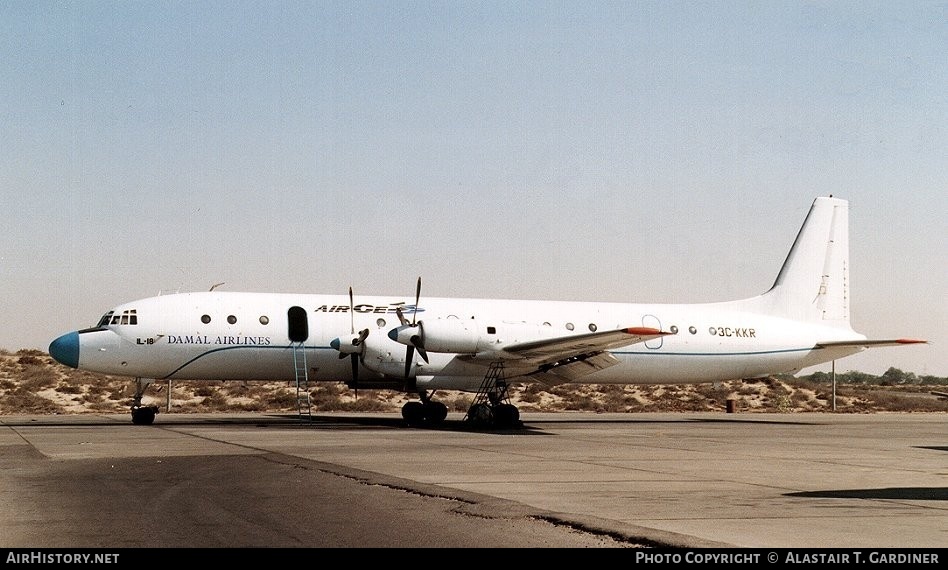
{"x":652,"y":321}
{"x":297,"y":324}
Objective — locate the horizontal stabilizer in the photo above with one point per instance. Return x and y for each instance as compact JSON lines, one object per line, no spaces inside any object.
{"x":870,"y":343}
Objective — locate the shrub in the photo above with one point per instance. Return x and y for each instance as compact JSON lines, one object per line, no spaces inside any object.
{"x":581,"y":402}
{"x":205,"y":391}
{"x":22,"y":401}
{"x":529,"y":397}
{"x":89,"y":398}
{"x":106,"y":406}
{"x":781,"y":402}
{"x":30,"y":361}
{"x":330,"y":388}
{"x":799,"y":398}
{"x":280,"y":400}
{"x":747,"y":390}
{"x":461,"y":403}
{"x":617,"y":401}
{"x":255,"y":406}
{"x":35,"y":379}
{"x":895,"y":402}
{"x":118,"y":394}
{"x":365,"y":405}
{"x":324,"y":399}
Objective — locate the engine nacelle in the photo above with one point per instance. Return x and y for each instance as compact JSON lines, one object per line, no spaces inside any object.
{"x":384,"y":357}
{"x":467,"y":336}
{"x":350,"y":344}
{"x":451,"y":335}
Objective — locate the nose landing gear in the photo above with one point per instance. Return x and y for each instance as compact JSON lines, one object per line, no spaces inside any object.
{"x":142,"y":415}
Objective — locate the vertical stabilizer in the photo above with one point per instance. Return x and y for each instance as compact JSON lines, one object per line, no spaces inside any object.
{"x":813,"y":284}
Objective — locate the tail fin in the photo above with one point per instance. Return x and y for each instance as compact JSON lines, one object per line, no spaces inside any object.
{"x":813,"y":284}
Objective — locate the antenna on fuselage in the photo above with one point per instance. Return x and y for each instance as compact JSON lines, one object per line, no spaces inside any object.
{"x":215,"y":286}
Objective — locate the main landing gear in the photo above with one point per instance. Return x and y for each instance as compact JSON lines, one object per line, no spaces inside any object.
{"x":426,"y":412}
{"x":142,"y":415}
{"x":492,"y":407}
{"x":493,"y":414}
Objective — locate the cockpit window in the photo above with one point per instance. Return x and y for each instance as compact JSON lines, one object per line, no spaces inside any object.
{"x":128,"y":317}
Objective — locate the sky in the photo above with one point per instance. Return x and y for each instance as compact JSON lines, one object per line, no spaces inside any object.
{"x":604,"y":151}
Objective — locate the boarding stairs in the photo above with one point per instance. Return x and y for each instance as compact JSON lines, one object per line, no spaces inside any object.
{"x":493,"y":389}
{"x":303,"y":401}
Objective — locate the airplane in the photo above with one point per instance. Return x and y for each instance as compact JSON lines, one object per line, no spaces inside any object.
{"x":420,"y":346}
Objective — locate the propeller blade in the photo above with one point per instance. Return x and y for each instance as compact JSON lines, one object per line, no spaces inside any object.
{"x":415,"y":340}
{"x":362,"y":337}
{"x":355,"y":374}
{"x":352,"y":326}
{"x":417,"y":300}
{"x":423,"y":354}
{"x":419,"y":344}
{"x":408,"y":358}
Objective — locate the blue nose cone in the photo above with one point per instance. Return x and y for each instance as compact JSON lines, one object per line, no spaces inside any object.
{"x":65,"y":349}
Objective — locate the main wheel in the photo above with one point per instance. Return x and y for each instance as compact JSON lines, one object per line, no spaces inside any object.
{"x":435,"y":412}
{"x":480,"y":415}
{"x":506,"y":416}
{"x":144,"y":416}
{"x":414,"y":413}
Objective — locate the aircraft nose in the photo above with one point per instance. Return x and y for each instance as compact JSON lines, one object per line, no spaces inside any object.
{"x":65,"y":349}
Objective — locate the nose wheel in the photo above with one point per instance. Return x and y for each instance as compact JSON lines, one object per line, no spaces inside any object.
{"x":142,"y":415}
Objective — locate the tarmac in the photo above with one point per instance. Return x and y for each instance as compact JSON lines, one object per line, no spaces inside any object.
{"x":681,"y":480}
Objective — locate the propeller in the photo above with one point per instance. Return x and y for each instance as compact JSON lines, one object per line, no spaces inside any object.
{"x":357,"y":341}
{"x":417,"y":340}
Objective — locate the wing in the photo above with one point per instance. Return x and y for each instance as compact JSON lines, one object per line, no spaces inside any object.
{"x":570,"y":357}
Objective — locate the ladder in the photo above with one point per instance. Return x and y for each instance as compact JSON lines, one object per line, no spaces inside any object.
{"x":303,"y":402}
{"x":493,"y":389}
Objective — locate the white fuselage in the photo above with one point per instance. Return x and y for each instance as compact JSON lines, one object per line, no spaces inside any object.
{"x":247,"y":336}
{"x":383,"y":341}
